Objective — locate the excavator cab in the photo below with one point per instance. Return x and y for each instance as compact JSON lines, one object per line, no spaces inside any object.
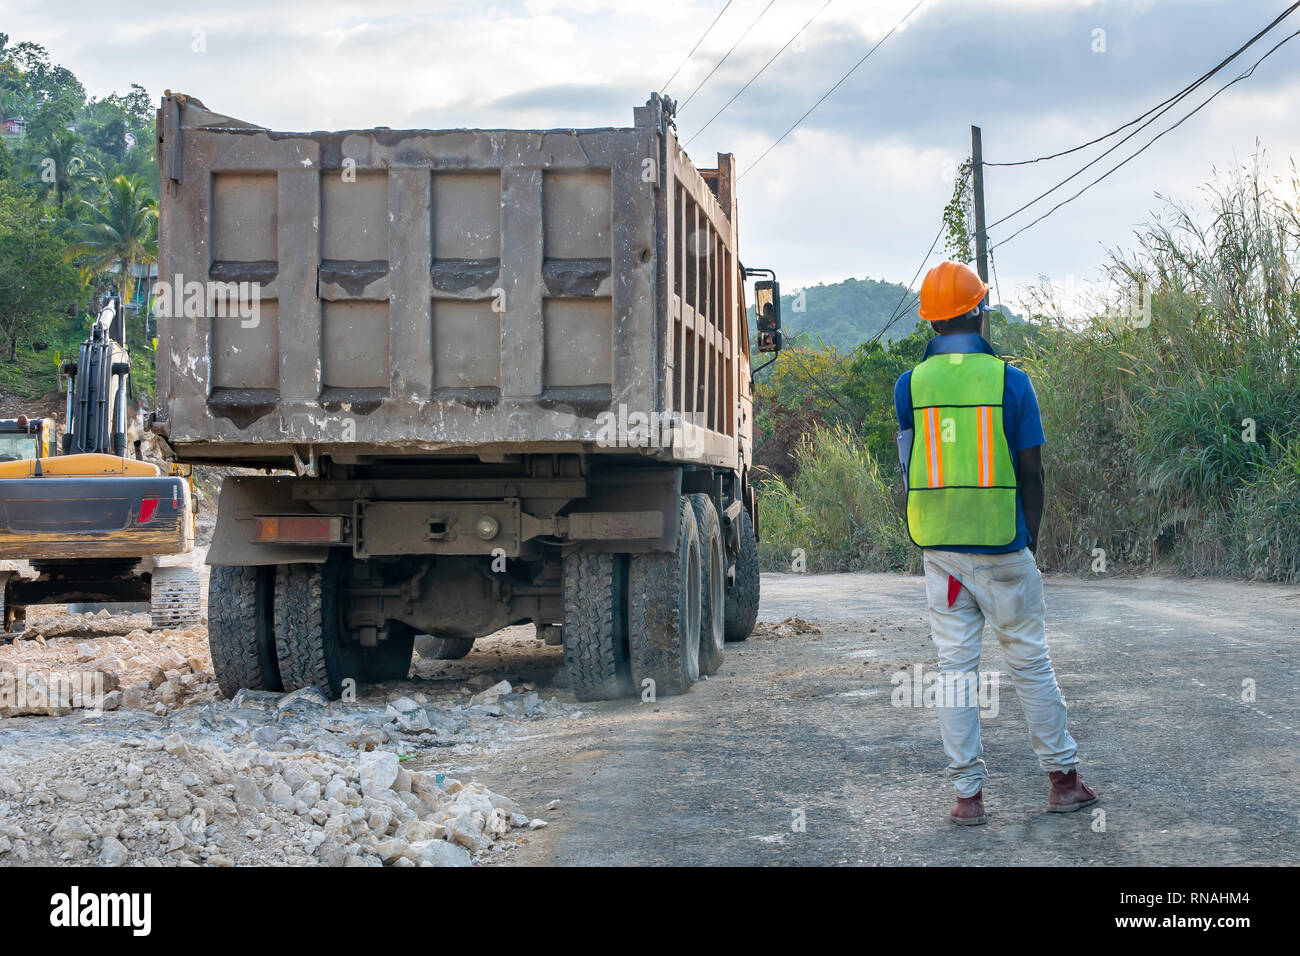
{"x":25,"y":439}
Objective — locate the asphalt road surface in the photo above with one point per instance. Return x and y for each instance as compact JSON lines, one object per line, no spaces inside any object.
{"x":1182,"y":694}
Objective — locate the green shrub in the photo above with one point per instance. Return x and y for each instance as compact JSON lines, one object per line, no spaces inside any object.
{"x":840,"y":510}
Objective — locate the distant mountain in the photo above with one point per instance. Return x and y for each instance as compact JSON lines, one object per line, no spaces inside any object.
{"x":847,"y":313}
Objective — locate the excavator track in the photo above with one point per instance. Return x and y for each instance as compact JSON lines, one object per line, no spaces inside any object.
{"x":175,"y":599}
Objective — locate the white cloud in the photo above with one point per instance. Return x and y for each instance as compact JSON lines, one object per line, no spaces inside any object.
{"x":855,"y":191}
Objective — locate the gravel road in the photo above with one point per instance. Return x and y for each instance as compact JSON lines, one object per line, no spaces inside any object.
{"x":1157,"y":673}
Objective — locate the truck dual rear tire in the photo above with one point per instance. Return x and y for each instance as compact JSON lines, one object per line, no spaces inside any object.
{"x":595,"y":625}
{"x":742,"y":599}
{"x":308,"y":638}
{"x":713,"y":590}
{"x":664,"y":612}
{"x":241,"y":629}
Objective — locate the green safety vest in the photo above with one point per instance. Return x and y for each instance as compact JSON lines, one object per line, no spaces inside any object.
{"x":961,"y":484}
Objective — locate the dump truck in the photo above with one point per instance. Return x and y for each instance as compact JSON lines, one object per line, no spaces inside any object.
{"x":90,"y":521}
{"x":493,"y":377}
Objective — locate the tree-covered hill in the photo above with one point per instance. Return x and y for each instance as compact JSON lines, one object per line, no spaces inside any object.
{"x":844,"y":314}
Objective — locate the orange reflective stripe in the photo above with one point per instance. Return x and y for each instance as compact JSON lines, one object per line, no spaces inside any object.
{"x":933,"y":448}
{"x":931,"y":474}
{"x":986,"y":445}
{"x":938,"y":445}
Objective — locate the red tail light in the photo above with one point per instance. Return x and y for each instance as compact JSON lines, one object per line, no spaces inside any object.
{"x":148,"y":508}
{"x":298,"y":529}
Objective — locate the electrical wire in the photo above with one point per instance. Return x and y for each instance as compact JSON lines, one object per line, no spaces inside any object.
{"x":1149,"y":144}
{"x":1172,"y":99}
{"x":837,"y":85}
{"x":664,"y":88}
{"x":715,"y":69}
{"x":900,"y":309}
{"x":757,"y":75}
{"x":1160,"y":111}
{"x":993,"y":264}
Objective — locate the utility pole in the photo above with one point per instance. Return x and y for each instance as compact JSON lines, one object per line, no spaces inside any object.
{"x":981,"y":239}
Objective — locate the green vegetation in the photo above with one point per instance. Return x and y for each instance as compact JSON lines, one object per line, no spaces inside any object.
{"x":1172,"y":443}
{"x":35,"y":278}
{"x":841,"y":509}
{"x":77,"y":213}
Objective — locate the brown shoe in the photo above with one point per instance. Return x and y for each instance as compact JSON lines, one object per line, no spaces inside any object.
{"x":969,"y":811}
{"x":1069,"y":793}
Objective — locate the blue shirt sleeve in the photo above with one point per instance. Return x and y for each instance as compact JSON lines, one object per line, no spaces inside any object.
{"x":1025,"y":424}
{"x":903,"y":401}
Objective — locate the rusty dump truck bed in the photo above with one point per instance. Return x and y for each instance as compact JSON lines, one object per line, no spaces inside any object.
{"x":444,"y":292}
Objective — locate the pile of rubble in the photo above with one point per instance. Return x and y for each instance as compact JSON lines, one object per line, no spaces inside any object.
{"x":154,"y":670}
{"x":166,"y":772}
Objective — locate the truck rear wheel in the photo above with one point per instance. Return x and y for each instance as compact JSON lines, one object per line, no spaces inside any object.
{"x":713,"y":591}
{"x":174,"y":599}
{"x":742,"y":598}
{"x":308,"y":632}
{"x":241,"y":629}
{"x":664,"y":593}
{"x":595,"y":625}
{"x":443,"y":648}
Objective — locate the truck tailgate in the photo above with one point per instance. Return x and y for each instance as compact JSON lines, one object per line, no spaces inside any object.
{"x":407,"y":292}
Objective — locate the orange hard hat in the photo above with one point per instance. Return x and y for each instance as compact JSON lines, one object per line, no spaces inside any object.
{"x":951,"y":289}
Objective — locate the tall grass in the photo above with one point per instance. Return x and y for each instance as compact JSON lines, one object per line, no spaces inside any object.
{"x":839,"y":509}
{"x":1172,"y":444}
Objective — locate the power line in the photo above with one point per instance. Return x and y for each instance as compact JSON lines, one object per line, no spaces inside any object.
{"x":1152,"y":142}
{"x":993,"y":264}
{"x":664,"y":88}
{"x":1161,"y":111}
{"x":758,"y":74}
{"x":837,"y":85}
{"x":1167,"y":102}
{"x":760,"y":16}
{"x":900,"y":309}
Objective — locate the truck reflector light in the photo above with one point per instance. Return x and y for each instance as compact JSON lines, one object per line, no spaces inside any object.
{"x":148,"y":508}
{"x":299,"y":529}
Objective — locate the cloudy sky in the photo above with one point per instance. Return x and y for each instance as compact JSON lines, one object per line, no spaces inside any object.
{"x":857,"y":190}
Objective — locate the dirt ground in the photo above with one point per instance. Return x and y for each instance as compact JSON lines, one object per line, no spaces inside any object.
{"x":1182,"y":695}
{"x":1153,"y":670}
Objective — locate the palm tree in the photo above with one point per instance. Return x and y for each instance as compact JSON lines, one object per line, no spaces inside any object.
{"x":120,"y":230}
{"x":99,"y":171}
{"x":57,"y":166}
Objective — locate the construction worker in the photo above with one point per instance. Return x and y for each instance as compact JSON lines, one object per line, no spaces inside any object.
{"x":970,"y":445}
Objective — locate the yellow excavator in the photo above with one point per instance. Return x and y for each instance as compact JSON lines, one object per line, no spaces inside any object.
{"x":90,"y":521}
